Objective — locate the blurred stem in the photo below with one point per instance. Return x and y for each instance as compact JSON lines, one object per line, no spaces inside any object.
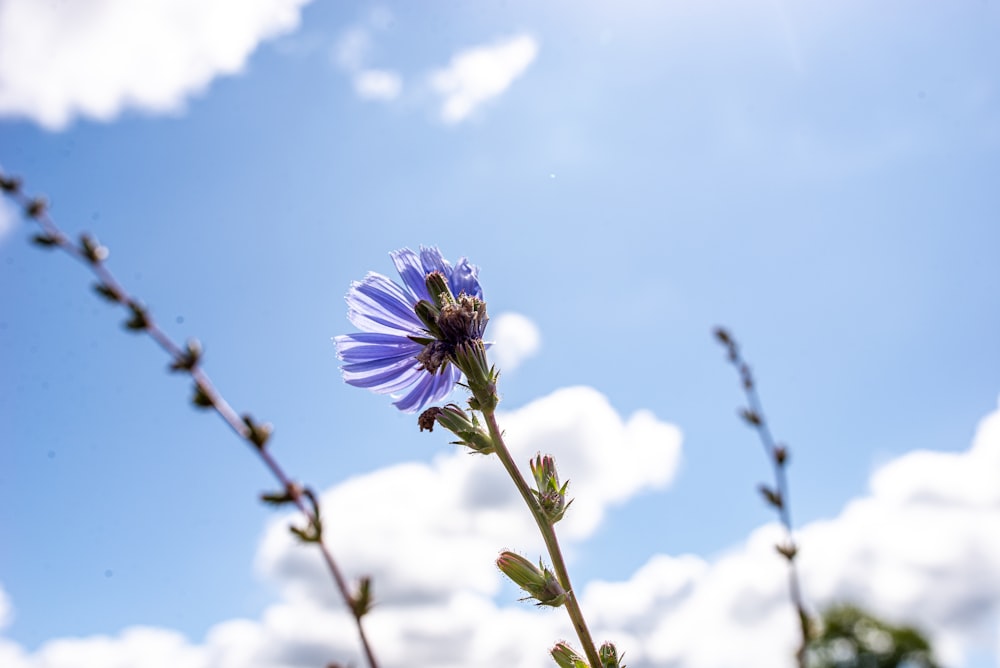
{"x":36,"y":210}
{"x":778,"y":456}
{"x":548,"y":535}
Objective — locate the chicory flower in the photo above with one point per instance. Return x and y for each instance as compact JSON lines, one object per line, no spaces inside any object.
{"x":383,"y":357}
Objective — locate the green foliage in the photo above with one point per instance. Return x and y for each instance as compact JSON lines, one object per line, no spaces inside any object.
{"x":851,"y":638}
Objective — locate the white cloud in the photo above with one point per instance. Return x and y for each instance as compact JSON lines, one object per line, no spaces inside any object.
{"x":515,"y":338}
{"x":352,"y":53}
{"x":477,"y":75}
{"x":461,"y":509}
{"x":9,"y":217}
{"x":6,"y":612}
{"x":96,"y":59}
{"x":923,"y":546}
{"x":351,"y":50}
{"x":378,"y":84}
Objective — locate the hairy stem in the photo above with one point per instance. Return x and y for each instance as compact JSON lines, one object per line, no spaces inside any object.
{"x":549,"y":536}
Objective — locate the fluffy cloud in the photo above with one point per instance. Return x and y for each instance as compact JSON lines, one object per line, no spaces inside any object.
{"x":460,"y":510}
{"x":479,"y":74}
{"x":922,"y":546}
{"x":95,"y":59}
{"x":352,"y":53}
{"x":515,"y":338}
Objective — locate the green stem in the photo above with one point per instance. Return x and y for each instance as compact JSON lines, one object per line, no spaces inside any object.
{"x":549,"y":535}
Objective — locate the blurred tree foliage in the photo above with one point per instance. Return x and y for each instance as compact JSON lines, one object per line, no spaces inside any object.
{"x":851,"y":638}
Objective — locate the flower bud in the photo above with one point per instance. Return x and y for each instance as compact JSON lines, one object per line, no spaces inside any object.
{"x":460,"y":423}
{"x":361,"y":600}
{"x":608,"y":654}
{"x":551,"y":497}
{"x":437,"y":286}
{"x":566,"y":657}
{"x":428,"y":314}
{"x":537,"y":581}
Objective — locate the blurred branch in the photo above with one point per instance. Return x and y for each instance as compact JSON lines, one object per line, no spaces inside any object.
{"x":187,"y":359}
{"x":776,"y":496}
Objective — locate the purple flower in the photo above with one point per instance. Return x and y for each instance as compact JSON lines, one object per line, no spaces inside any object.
{"x":383,"y":356}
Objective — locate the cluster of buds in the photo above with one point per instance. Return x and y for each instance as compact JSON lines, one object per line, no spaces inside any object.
{"x":551,"y":497}
{"x":538,"y":582}
{"x":456,"y":326}
{"x":567,"y":657}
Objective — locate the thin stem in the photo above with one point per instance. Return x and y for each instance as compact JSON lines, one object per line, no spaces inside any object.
{"x":549,"y":536}
{"x":36,"y":211}
{"x":778,"y":456}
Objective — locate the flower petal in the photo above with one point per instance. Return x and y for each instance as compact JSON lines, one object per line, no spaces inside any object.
{"x":376,"y":304}
{"x":365,"y":346}
{"x":428,"y":389}
{"x":465,"y":278}
{"x":432,"y":260}
{"x":411,"y":270}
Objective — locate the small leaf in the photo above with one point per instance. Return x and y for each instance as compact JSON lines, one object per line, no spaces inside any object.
{"x":787,"y":551}
{"x":140,"y":318}
{"x":35,"y":208}
{"x":752,"y":417}
{"x":10,"y":184}
{"x":45,"y":240}
{"x":258,"y":434}
{"x":771,"y":496}
{"x":190,"y":358}
{"x":277,"y":498}
{"x":108,"y":292}
{"x":722,"y":334}
{"x":311,"y":534}
{"x":201,"y":398}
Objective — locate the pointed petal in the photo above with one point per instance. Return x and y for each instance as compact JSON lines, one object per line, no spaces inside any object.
{"x":432,"y":260}
{"x":412,"y":272}
{"x":465,"y":278}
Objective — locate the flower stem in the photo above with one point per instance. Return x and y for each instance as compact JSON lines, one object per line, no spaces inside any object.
{"x":548,"y":535}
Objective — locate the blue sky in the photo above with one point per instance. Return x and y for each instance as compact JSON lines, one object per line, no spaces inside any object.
{"x":819,"y":177}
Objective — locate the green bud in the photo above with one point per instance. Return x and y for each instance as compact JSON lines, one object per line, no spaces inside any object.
{"x":361,"y":600}
{"x":566,"y":657}
{"x":437,"y":286}
{"x":428,"y":314}
{"x":551,"y":497}
{"x":608,"y":655}
{"x":466,"y":426}
{"x":537,"y":581}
